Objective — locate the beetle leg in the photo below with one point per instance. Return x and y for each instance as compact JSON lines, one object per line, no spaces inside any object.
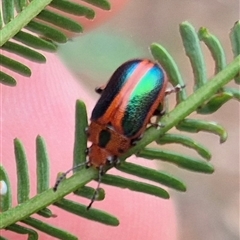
{"x":175,"y":89}
{"x":88,"y":163}
{"x":116,"y":162}
{"x":100,"y":89}
{"x":162,"y":108}
{"x":100,"y":174}
{"x":157,"y":125}
{"x":136,"y":140}
{"x":159,"y":111}
{"x":111,"y":160}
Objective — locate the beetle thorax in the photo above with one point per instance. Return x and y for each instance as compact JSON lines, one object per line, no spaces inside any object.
{"x":107,"y":144}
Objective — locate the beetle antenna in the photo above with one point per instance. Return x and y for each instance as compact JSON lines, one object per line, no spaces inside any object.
{"x":100,"y":173}
{"x":63,"y":176}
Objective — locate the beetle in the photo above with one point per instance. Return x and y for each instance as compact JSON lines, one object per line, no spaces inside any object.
{"x":125,"y":107}
{"x":120,"y":117}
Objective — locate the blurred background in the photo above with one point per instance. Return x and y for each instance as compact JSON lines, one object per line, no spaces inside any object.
{"x":209,"y":210}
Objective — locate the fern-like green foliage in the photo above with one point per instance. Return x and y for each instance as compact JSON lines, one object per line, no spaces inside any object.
{"x":45,"y":26}
{"x":208,"y":97}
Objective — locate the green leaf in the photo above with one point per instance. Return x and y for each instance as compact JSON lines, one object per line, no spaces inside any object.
{"x":92,"y":214}
{"x":45,"y":212}
{"x":60,"y":21}
{"x":5,"y":198}
{"x":35,"y":42}
{"x":1,"y":25}
{"x":215,"y":103}
{"x":103,"y":4}
{"x":185,"y":141}
{"x":215,"y":48}
{"x":134,"y":185}
{"x":8,"y":10}
{"x":22,"y":172}
{"x":7,"y":80}
{"x":49,"y":229}
{"x":193,"y":50}
{"x":153,"y":175}
{"x":171,"y":68}
{"x":80,"y":142}
{"x":20,"y":5}
{"x":180,"y":160}
{"x":32,"y":235}
{"x":88,"y":193}
{"x":194,"y":126}
{"x":42,"y":165}
{"x":235,"y":41}
{"x":46,"y":31}
{"x":24,"y":52}
{"x":42,"y":172}
{"x":73,"y":8}
{"x":233,"y":91}
{"x":14,"y":65}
